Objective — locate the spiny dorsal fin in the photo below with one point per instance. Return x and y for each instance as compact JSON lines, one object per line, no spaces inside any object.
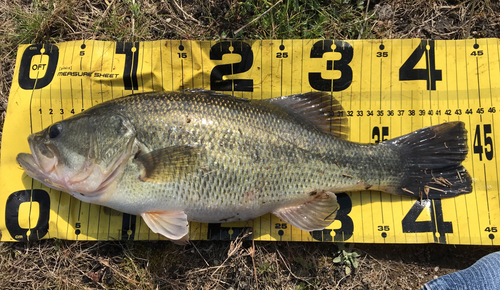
{"x":165,"y":164}
{"x":320,"y":108}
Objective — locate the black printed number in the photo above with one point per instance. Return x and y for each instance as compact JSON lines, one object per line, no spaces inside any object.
{"x":128,"y":226}
{"x":408,"y":72}
{"x":383,"y":228}
{"x":491,"y":229}
{"x":228,"y":47}
{"x":281,"y":226}
{"x":435,"y":225}
{"x":346,"y":230}
{"x":282,"y":55}
{"x":377,"y":137}
{"x":487,"y":149}
{"x":27,"y":64}
{"x":13,"y":206}
{"x":131,"y":51}
{"x":327,"y":85}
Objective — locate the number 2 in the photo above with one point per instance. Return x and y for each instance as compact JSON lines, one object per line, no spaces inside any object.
{"x":216,"y":53}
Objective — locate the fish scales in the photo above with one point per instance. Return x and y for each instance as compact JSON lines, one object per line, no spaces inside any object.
{"x":268,"y":162}
{"x":199,"y":156}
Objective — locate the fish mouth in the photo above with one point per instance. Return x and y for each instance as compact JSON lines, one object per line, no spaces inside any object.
{"x":32,"y":167}
{"x":41,"y":164}
{"x":88,"y":182}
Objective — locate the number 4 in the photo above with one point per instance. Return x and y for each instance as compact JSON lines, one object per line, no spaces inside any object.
{"x":435,"y":225}
{"x":478,"y":144}
{"x":408,"y":72}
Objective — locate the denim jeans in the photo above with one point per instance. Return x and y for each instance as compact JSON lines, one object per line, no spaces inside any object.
{"x":483,"y":275}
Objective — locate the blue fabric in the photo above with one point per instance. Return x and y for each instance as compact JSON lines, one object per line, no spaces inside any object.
{"x":483,"y":275}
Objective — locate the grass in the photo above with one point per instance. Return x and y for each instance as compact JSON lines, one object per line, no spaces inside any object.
{"x":58,"y":264}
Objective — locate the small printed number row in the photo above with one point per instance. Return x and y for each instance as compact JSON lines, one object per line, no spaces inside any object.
{"x":369,"y":113}
{"x":400,"y":113}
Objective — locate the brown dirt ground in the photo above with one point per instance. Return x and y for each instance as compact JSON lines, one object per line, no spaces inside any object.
{"x":57,"y":264}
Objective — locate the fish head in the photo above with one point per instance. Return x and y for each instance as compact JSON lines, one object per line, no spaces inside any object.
{"x":82,"y":155}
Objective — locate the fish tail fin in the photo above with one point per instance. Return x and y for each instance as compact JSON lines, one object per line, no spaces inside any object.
{"x":432,"y":162}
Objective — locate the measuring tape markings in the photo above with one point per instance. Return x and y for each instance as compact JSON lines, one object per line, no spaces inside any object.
{"x":14,"y":201}
{"x":381,"y":91}
{"x":368,"y":112}
{"x":491,"y":229}
{"x":487,"y":127}
{"x":471,"y":82}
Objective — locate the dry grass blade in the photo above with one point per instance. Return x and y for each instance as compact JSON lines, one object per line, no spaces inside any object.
{"x":291,"y":272}
{"x":251,"y":252}
{"x":235,"y":248}
{"x":257,"y":18}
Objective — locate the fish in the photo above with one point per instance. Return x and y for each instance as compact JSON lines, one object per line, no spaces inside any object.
{"x":202,"y":156}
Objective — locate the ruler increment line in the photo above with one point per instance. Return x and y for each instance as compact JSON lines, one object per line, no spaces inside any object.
{"x":439,"y":95}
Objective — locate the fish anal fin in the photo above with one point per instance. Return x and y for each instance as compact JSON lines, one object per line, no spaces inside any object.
{"x":166,"y":164}
{"x":320,"y":108}
{"x":171,"y":224}
{"x":316,"y":214}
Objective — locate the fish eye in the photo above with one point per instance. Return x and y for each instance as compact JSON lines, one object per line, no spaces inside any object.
{"x":55,"y":130}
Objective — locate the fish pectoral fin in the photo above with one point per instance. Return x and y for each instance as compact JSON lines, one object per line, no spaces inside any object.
{"x":171,"y":224}
{"x":166,"y":164}
{"x":313,"y":215}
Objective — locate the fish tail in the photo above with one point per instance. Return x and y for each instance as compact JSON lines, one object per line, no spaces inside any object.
{"x":431,"y":158}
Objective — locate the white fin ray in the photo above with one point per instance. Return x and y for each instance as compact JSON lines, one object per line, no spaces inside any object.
{"x":313,"y":215}
{"x":171,"y":224}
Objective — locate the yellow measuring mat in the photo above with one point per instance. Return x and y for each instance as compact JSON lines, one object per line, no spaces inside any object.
{"x":387,"y":88}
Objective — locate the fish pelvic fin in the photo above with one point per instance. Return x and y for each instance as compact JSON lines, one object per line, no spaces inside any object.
{"x":313,"y":215}
{"x":171,"y":224}
{"x":319,"y":108}
{"x":167,"y":164}
{"x":433,"y":158}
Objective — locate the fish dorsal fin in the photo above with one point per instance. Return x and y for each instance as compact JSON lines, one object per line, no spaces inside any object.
{"x":171,"y":224}
{"x":166,"y":164}
{"x":320,"y":108}
{"x":316,"y":214}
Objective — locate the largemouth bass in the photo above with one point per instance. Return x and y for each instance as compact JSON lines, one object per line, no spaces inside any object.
{"x":174,"y":157}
